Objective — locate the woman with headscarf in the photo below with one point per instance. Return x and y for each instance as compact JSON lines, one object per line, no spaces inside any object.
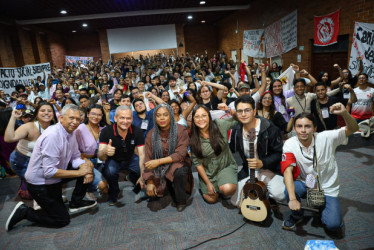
{"x":166,"y":162}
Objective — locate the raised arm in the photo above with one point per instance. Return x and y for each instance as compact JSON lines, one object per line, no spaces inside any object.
{"x":188,"y":110}
{"x":351,"y":124}
{"x":157,"y":99}
{"x":21,"y":133}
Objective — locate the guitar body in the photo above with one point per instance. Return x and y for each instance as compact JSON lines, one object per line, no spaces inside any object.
{"x":254,"y":205}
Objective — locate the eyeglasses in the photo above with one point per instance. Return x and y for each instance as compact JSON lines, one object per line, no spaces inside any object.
{"x":135,"y":93}
{"x":362,"y":78}
{"x":123,"y":144}
{"x":95,"y":114}
{"x":244,"y":111}
{"x":202,"y":117}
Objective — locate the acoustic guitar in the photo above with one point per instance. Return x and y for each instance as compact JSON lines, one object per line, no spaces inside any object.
{"x":254,"y":206}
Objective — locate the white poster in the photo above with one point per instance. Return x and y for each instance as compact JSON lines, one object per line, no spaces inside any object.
{"x":289,"y":31}
{"x":10,"y":77}
{"x":287,"y":78}
{"x":363,"y":46}
{"x":254,"y":43}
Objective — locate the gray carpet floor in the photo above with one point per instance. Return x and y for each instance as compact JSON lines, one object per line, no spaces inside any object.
{"x":157,"y":224}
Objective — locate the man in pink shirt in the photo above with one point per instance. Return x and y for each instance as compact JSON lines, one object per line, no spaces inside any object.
{"x":48,"y":169}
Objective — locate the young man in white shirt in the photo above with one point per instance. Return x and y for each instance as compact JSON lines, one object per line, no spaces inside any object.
{"x":300,"y":152}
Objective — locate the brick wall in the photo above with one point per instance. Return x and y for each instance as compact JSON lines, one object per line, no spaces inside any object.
{"x":57,"y":49}
{"x":261,"y":15}
{"x":200,"y":38}
{"x":83,"y":45}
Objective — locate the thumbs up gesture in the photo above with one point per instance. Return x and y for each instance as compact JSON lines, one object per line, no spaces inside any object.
{"x":110,"y":150}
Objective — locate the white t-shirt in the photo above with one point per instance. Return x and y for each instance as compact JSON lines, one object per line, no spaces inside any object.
{"x":325,"y":143}
{"x":362,"y":108}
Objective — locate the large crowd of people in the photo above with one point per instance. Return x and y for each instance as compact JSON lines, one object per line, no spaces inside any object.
{"x":157,"y":118}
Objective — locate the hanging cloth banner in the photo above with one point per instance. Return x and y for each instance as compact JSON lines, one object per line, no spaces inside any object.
{"x":254,"y":43}
{"x":326,"y":29}
{"x":363,"y":47}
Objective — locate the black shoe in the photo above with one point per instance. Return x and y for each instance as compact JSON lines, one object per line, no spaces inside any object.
{"x":291,"y":223}
{"x":81,"y":206}
{"x":181,"y":207}
{"x":338,"y":234}
{"x":18,"y":214}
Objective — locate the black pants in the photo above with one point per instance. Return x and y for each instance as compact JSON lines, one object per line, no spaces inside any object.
{"x":49,"y":197}
{"x":177,"y":188}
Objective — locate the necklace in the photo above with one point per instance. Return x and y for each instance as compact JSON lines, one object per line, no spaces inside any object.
{"x":94,"y":134}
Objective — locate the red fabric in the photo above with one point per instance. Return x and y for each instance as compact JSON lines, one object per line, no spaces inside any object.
{"x":242,"y":71}
{"x":288,"y":159}
{"x":326,"y":29}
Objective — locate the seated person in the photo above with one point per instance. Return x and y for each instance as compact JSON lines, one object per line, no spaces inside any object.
{"x":166,"y":160}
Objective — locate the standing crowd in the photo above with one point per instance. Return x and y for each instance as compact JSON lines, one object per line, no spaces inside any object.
{"x":157,"y":118}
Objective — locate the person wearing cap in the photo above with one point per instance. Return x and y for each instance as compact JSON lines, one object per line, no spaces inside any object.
{"x":188,"y":78}
{"x":26,"y":116}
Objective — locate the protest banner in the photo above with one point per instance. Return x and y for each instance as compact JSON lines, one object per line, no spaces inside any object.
{"x":326,"y":29}
{"x":273,"y":40}
{"x":254,"y":43}
{"x":287,"y":78}
{"x":74,"y":59}
{"x":289,"y":31}
{"x":10,"y":77}
{"x":363,"y":47}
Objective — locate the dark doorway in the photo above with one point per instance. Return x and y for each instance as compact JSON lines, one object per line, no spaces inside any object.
{"x":324,"y":57}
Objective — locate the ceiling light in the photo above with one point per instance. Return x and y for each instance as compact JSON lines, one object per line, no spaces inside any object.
{"x":73,"y":31}
{"x":189,"y":17}
{"x":202,"y":2}
{"x":63,"y":12}
{"x":84,"y":24}
{"x":202,"y":21}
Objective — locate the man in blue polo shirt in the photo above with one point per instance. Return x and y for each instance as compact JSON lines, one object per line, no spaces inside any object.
{"x":143,"y":119}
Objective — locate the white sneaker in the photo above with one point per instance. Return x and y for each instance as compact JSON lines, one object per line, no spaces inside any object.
{"x":36,"y":206}
{"x":91,"y":196}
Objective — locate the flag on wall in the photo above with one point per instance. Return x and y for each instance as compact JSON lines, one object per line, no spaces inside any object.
{"x":326,"y":29}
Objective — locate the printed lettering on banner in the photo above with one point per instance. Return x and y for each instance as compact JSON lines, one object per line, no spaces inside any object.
{"x":254,"y":43}
{"x":74,"y":59}
{"x":363,"y":47}
{"x":10,"y":77}
{"x":289,"y":31}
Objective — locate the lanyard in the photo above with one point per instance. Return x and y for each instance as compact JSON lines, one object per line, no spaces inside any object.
{"x":303,"y":108}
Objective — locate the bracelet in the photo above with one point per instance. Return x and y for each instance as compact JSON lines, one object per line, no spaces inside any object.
{"x":186,"y":94}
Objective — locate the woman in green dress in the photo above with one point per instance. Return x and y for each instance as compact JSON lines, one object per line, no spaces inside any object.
{"x":211,"y":154}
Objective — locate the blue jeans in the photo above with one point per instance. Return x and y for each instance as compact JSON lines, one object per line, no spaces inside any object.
{"x":19,"y":163}
{"x":97,"y":176}
{"x":111,"y":173}
{"x":331,"y":213}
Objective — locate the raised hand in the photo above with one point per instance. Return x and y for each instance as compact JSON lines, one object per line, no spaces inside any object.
{"x":110,"y":150}
{"x":337,"y":109}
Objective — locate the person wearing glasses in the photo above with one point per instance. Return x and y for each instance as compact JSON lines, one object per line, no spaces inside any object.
{"x":268,"y":149}
{"x":116,"y":148}
{"x":364,"y":107}
{"x":211,"y":154}
{"x":88,"y":139}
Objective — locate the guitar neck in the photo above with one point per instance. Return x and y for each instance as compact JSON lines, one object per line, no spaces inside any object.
{"x":252,"y":156}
